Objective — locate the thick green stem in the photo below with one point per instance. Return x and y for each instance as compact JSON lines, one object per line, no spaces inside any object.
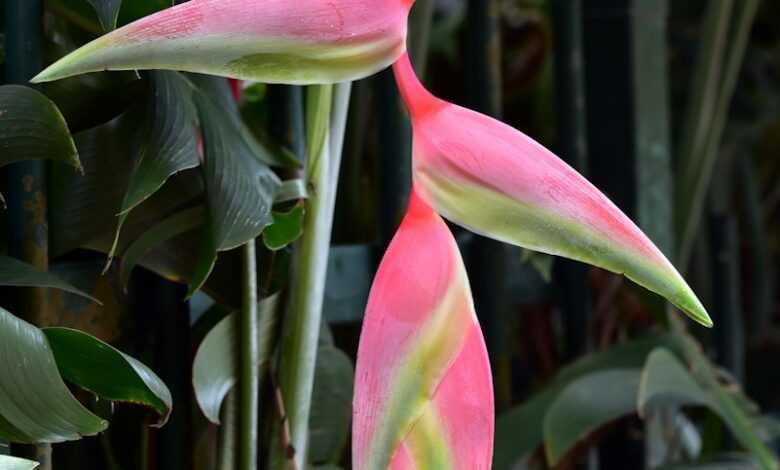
{"x":226,"y":452}
{"x":304,"y":316}
{"x":250,"y":371}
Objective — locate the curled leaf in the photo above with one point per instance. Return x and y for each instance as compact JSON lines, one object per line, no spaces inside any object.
{"x":423,"y":390}
{"x":498,"y":182}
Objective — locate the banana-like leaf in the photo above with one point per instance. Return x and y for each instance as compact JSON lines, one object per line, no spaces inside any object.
{"x":496,"y":181}
{"x":31,"y":128}
{"x":20,"y":274}
{"x":35,"y":403}
{"x":107,"y":372}
{"x":240,"y":187}
{"x":13,"y":463}
{"x":274,"y":41}
{"x":423,"y":390}
{"x":215,"y":368}
{"x":665,"y":381}
{"x":331,"y":408}
{"x":171,"y":144}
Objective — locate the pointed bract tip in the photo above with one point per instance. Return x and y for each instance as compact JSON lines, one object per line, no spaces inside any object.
{"x":691,"y":306}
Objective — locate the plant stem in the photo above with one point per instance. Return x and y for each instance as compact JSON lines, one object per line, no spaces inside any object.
{"x":250,"y":371}
{"x":227,"y":433}
{"x":304,"y":317}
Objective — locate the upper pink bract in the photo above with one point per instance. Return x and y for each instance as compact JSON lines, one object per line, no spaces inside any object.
{"x":313,"y":21}
{"x":462,"y":144}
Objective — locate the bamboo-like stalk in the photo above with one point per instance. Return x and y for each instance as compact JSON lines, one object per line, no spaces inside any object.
{"x":325,"y":116}
{"x":26,"y":189}
{"x":249,"y":378}
{"x":226,"y":453}
{"x":693,"y":188}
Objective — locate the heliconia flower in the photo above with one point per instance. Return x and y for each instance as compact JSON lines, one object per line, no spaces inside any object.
{"x":423,"y":390}
{"x":494,"y":180}
{"x":272,"y":41}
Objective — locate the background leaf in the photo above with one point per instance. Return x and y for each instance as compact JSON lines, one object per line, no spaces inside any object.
{"x":666,"y":382}
{"x":587,"y":404}
{"x":107,"y":11}
{"x":20,"y":274}
{"x":107,"y":372}
{"x":285,"y":228}
{"x":215,"y":368}
{"x":13,"y":463}
{"x":35,"y":404}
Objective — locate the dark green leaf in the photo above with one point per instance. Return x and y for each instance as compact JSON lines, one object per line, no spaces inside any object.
{"x":666,"y":382}
{"x":32,"y":128}
{"x":177,"y":224}
{"x":285,"y":229}
{"x":34,"y":400}
{"x":17,"y":273}
{"x":240,"y":188}
{"x":215,"y":368}
{"x":13,"y":463}
{"x":107,"y":11}
{"x":107,"y":372}
{"x":515,"y":438}
{"x":331,"y":408}
{"x":170,"y":145}
{"x":587,"y":404}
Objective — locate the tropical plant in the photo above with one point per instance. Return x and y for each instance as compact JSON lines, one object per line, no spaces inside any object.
{"x":230,"y":187}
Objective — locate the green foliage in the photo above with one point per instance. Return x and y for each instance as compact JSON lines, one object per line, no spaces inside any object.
{"x":17,"y":273}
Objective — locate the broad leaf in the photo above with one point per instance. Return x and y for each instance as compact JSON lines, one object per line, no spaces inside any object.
{"x":13,"y":463}
{"x":496,"y":181}
{"x":215,"y":368}
{"x":515,"y":439}
{"x":285,"y":228}
{"x":301,"y":42}
{"x":20,"y":274}
{"x":170,"y":145}
{"x":423,"y":391}
{"x":107,"y":372}
{"x":666,"y":382}
{"x":32,"y":128}
{"x":107,"y":11}
{"x":35,"y":403}
{"x":587,"y":404}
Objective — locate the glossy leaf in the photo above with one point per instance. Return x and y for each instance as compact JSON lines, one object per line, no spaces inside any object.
{"x":32,"y":128}
{"x":13,"y":463}
{"x":107,"y":11}
{"x":171,"y":143}
{"x":35,"y":403}
{"x":285,"y":228}
{"x":587,"y":404}
{"x":107,"y":372}
{"x":273,"y":41}
{"x":423,"y":391}
{"x":215,"y":368}
{"x":498,"y":182}
{"x":20,"y":274}
{"x":665,"y":381}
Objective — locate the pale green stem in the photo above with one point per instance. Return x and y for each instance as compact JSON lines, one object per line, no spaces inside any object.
{"x":250,"y":371}
{"x":324,"y":135}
